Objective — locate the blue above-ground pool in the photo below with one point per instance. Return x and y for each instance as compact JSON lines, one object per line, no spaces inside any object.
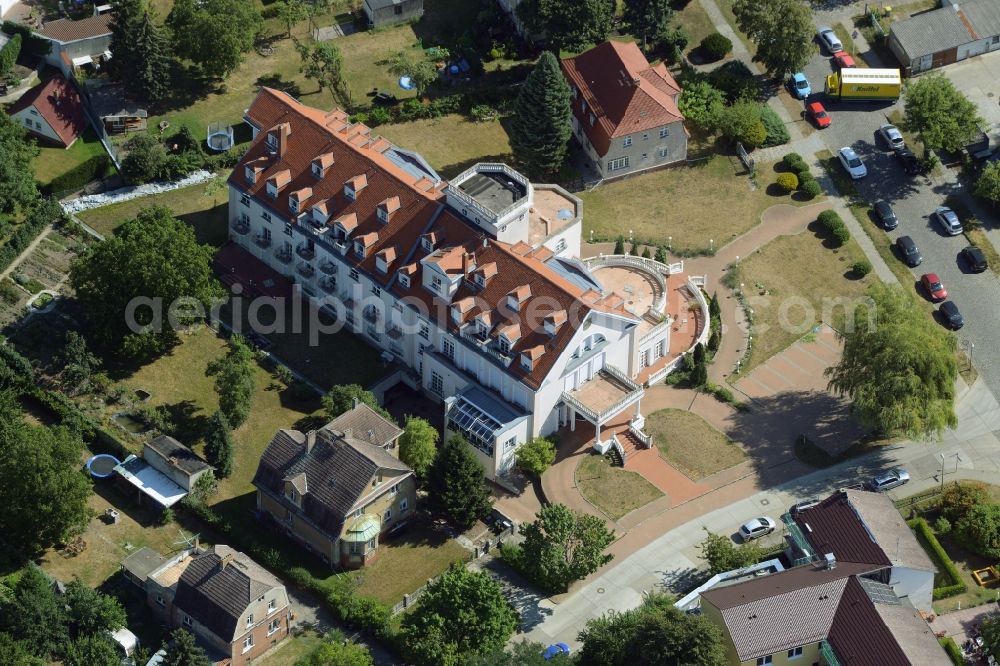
{"x":102,"y":465}
{"x":406,"y":83}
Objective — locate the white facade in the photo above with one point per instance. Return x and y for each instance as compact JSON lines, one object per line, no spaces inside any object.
{"x":36,"y":124}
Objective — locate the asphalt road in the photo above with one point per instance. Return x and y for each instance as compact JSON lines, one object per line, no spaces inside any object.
{"x":855,"y":124}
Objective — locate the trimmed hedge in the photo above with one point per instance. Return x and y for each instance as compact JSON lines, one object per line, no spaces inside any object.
{"x":44,"y":213}
{"x":30,"y":42}
{"x":789,"y":182}
{"x":927,"y":539}
{"x":716,"y":46}
{"x":954,"y":652}
{"x":810,"y":188}
{"x":862,"y":267}
{"x":80,"y":175}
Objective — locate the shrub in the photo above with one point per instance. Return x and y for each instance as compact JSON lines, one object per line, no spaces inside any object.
{"x":777,"y":133}
{"x":412,"y":109}
{"x":789,"y":182}
{"x":755,"y":136}
{"x":830,"y":220}
{"x":954,"y":652}
{"x":736,"y":80}
{"x":811,"y":189}
{"x":980,"y":530}
{"x":30,"y":42}
{"x":802,"y":170}
{"x":947,"y":570}
{"x":805,"y":177}
{"x":9,"y":293}
{"x":272,"y":10}
{"x":792,"y":159}
{"x":673,"y":42}
{"x":715,"y":46}
{"x":959,"y":498}
{"x":862,"y":267}
{"x":942,"y":525}
{"x":379,"y":115}
{"x":841,"y":235}
{"x":482,"y":113}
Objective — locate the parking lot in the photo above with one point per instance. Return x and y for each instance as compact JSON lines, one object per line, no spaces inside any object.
{"x":856,"y":124}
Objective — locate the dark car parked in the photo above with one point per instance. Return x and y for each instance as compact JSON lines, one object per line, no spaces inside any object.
{"x":886,"y":216}
{"x":952,"y":317}
{"x":909,"y":251}
{"x":975,"y":259}
{"x":911,"y":164}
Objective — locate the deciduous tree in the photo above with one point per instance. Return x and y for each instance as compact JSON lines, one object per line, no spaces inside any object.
{"x":291,"y":12}
{"x":536,"y":456}
{"x":92,"y":650}
{"x":17,"y":179}
{"x":341,"y":399}
{"x":940,"y":113}
{"x":78,"y":363}
{"x":43,"y":494}
{"x":899,"y":374}
{"x":336,"y":650}
{"x":455,"y":484}
{"x":980,"y":529}
{"x":418,"y":444}
{"x":540,"y":126}
{"x":235,"y":381}
{"x":723,"y":555}
{"x":214,"y":34}
{"x":702,"y":104}
{"x":782,"y":31}
{"x":463,"y":612}
{"x":988,"y":183}
{"x":34,"y":616}
{"x":568,"y":24}
{"x":184,"y":651}
{"x":648,"y":18}
{"x":17,"y":653}
{"x":219,"y":444}
{"x":958,"y":499}
{"x":91,"y":612}
{"x":521,"y":653}
{"x":153,"y":261}
{"x":324,"y":63}
{"x":562,"y":546}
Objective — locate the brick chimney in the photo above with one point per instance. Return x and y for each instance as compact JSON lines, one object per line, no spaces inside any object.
{"x":468,"y":263}
{"x":284,"y":131}
{"x":226,"y":559}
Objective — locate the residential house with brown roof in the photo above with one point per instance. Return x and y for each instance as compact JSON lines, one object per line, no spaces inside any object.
{"x":339,"y":489}
{"x":51,"y":111}
{"x":625,"y":111}
{"x":78,"y":43}
{"x":821,"y":613}
{"x":237,"y":609}
{"x":474,"y":285}
{"x":856,"y":526}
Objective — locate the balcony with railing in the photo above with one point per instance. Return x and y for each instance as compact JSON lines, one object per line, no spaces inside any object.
{"x":607,"y":394}
{"x":262,"y":241}
{"x":371,"y":314}
{"x":306,"y":251}
{"x":241,"y":227}
{"x":328,"y":268}
{"x":340,"y":246}
{"x":828,"y":654}
{"x":305,"y":270}
{"x":284,"y":254}
{"x":329,"y":285}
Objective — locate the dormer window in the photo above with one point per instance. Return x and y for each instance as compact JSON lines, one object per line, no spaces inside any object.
{"x":592,"y":119}
{"x":517,"y":297}
{"x":359,"y":248}
{"x":504,"y":344}
{"x":293,"y":205}
{"x":387,"y":208}
{"x":480,"y":280}
{"x":321,"y":164}
{"x":354,"y":186}
{"x":278,"y":181}
{"x":272,"y":141}
{"x":526,"y":362}
{"x":404,"y":280}
{"x":251,"y":175}
{"x":554,"y":321}
{"x":384,"y":258}
{"x":346,"y":225}
{"x":428,"y":241}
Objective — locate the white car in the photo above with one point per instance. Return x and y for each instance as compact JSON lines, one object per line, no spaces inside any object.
{"x":829,"y":39}
{"x":890,"y":479}
{"x":756,"y":528}
{"x":950,"y":224}
{"x":892,"y":136}
{"x":852,"y":163}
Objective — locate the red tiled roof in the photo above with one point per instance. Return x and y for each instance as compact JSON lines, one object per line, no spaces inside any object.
{"x":625,"y":94}
{"x":68,"y":30}
{"x":58,"y":103}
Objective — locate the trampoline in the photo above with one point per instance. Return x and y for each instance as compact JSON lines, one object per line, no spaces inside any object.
{"x":406,"y":83}
{"x":220,"y":137}
{"x":102,"y":465}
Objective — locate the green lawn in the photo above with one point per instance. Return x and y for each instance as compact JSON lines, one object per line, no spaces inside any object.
{"x":613,"y":490}
{"x":690,"y":444}
{"x":794,"y":283}
{"x":695,"y":21}
{"x":673,"y":202}
{"x":207,"y":213}
{"x":53,"y":161}
{"x":452,"y":143}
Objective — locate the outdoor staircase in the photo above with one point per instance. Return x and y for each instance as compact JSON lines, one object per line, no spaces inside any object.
{"x":630,"y":445}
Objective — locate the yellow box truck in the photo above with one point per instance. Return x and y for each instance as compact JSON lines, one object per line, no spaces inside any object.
{"x":864,"y":84}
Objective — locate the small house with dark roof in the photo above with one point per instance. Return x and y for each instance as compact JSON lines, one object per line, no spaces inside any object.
{"x":77,"y":43}
{"x":52,"y":111}
{"x":337,"y":491}
{"x":381,"y":13}
{"x":856,"y":526}
{"x":174,"y":460}
{"x":821,"y":613}
{"x":237,"y":609}
{"x":957,"y":30}
{"x":365,"y":424}
{"x":625,"y":111}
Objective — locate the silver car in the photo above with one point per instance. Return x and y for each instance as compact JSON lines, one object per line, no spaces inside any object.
{"x":892,"y":136}
{"x":890,"y":479}
{"x":758,"y":527}
{"x":950,"y":224}
{"x":829,"y":39}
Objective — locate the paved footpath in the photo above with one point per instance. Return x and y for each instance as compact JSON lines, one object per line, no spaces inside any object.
{"x":666,"y":561}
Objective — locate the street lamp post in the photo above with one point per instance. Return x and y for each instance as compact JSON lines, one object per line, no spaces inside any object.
{"x":670,"y":243}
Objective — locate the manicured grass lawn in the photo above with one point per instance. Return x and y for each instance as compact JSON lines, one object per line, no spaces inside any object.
{"x":406,"y":562}
{"x":695,"y":21}
{"x":207,"y":213}
{"x":613,"y":490}
{"x":965,"y":561}
{"x":673,"y":202}
{"x":53,"y":161}
{"x":793,"y":284}
{"x":845,"y":38}
{"x":883,"y":243}
{"x":690,"y":444}
{"x":294,"y":648}
{"x":451,"y":143}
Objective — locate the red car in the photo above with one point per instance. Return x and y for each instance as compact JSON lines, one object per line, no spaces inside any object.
{"x":843,"y":61}
{"x":816,"y":113}
{"x":933,"y":286}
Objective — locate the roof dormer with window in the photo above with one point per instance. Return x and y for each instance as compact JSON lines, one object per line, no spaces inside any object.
{"x":362,"y":244}
{"x":517,"y":297}
{"x":253,"y":169}
{"x":484,"y":273}
{"x":406,"y":274}
{"x":320,"y":212}
{"x":354,"y":186}
{"x":429,"y":241}
{"x":507,"y":336}
{"x":384,"y":259}
{"x":530,"y":356}
{"x":277,"y":139}
{"x":297,"y":199}
{"x":321,"y":164}
{"x":460,"y":308}
{"x":277,"y":182}
{"x":554,"y":321}
{"x":346,"y":224}
{"x":387,"y":208}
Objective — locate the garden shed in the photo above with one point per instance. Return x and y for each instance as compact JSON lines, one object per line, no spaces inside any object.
{"x":943,"y":36}
{"x":381,"y":13}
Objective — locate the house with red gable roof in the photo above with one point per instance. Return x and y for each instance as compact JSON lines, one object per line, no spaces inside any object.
{"x":52,"y":111}
{"x":475,"y":286}
{"x":625,"y":111}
